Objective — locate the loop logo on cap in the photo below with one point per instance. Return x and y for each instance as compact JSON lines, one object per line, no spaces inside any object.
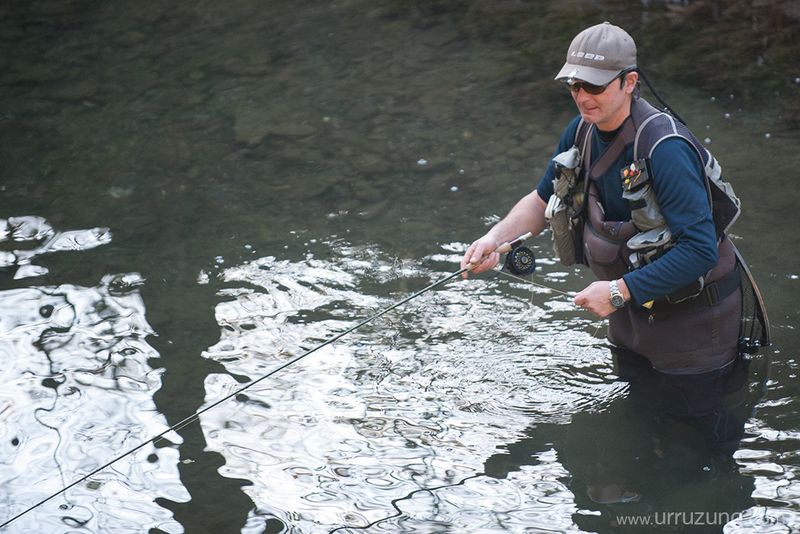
{"x":598,"y":54}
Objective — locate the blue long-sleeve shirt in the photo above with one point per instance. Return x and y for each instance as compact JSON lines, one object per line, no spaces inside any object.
{"x":679,"y":183}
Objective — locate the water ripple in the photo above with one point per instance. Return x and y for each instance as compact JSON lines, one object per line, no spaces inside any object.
{"x":77,"y":392}
{"x":39,"y":238}
{"x":419,"y":398}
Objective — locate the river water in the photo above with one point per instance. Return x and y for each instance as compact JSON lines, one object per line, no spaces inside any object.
{"x":194,"y":194}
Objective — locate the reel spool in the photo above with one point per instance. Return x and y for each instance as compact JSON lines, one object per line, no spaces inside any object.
{"x":520,"y":261}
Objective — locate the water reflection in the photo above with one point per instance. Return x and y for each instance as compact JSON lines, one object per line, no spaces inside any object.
{"x":418,"y":399}
{"x":27,"y":237}
{"x":458,"y":411}
{"x":77,"y":391}
{"x":664,"y":448}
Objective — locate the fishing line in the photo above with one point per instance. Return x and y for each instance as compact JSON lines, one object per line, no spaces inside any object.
{"x":537,"y":284}
{"x":504,"y":248}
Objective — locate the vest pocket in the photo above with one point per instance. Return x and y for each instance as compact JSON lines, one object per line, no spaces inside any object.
{"x":637,"y":189}
{"x":565,"y":206}
{"x":604,"y":256}
{"x":564,"y":231}
{"x":647,"y":246}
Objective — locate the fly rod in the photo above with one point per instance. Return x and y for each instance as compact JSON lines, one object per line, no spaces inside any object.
{"x":502,"y":249}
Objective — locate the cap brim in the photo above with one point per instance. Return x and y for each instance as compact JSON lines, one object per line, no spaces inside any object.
{"x":586,"y":74}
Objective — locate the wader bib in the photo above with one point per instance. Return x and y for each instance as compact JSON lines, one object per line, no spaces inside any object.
{"x":698,"y":328}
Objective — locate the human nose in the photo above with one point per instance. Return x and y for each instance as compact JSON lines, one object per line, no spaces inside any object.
{"x":579,"y":94}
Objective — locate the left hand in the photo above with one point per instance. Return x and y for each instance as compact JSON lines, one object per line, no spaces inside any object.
{"x":481,"y":255}
{"x":596,"y":298}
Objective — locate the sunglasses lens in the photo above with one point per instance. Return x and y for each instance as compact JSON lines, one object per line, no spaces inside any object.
{"x":594,"y":89}
{"x":587,"y":87}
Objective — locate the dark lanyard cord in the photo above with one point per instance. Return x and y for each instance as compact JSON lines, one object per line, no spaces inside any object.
{"x":658,"y":96}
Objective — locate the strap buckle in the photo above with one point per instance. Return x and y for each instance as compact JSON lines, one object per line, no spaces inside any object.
{"x":712,"y":294}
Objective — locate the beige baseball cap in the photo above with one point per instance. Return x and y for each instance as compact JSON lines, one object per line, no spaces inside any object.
{"x":598,"y":54}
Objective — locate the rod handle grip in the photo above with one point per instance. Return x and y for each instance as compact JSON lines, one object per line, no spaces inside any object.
{"x":508,"y":245}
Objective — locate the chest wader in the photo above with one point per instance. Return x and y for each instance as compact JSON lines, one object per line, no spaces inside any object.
{"x":698,"y":328}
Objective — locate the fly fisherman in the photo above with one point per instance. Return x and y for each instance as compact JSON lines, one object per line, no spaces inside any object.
{"x":632,"y":194}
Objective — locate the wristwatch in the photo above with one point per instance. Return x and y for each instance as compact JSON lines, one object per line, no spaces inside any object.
{"x":616,"y":297}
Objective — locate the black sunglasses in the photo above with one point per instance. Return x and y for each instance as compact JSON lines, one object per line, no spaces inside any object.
{"x":592,"y":89}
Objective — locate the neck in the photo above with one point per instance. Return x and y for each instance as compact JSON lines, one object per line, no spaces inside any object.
{"x":607,"y":136}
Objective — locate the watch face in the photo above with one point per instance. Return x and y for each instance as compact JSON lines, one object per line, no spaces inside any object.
{"x":616,"y":297}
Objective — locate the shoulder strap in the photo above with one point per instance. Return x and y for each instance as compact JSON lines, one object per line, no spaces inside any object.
{"x":612,"y":153}
{"x":582,"y":138}
{"x":654,"y":127}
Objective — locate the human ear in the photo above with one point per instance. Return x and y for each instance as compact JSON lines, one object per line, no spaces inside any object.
{"x":631,"y":79}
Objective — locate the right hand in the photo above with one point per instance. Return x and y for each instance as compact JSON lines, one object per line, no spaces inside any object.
{"x":481,"y":255}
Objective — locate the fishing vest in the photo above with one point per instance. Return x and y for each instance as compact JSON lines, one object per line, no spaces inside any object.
{"x":644,"y":128}
{"x":695,"y":329}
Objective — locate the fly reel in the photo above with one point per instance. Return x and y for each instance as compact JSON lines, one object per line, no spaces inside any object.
{"x":520,"y":261}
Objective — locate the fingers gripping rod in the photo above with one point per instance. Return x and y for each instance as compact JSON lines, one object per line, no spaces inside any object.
{"x":502,"y":249}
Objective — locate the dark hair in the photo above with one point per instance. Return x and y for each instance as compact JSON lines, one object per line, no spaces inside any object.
{"x":622,"y":80}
